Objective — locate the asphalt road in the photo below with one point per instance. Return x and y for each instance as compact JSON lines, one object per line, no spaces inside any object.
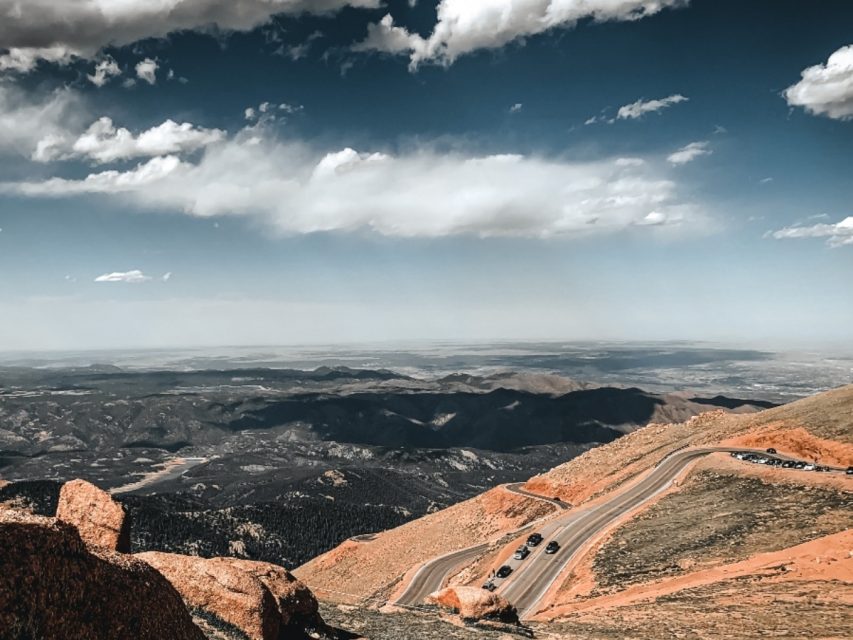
{"x":536,"y":574}
{"x":515,"y":487}
{"x":433,"y":574}
{"x":532,"y":577}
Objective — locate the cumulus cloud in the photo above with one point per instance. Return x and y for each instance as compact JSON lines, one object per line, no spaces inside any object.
{"x":464,"y":26}
{"x":103,"y":142}
{"x":826,"y":89}
{"x":296,"y":189}
{"x":147,"y":70}
{"x":837,"y":235}
{"x":59,"y":29}
{"x":134,"y":276}
{"x":104,"y":70}
{"x":641,"y":107}
{"x":689,"y":153}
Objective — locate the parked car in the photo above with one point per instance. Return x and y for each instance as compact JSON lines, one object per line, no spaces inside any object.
{"x":490,"y":586}
{"x":771,"y":450}
{"x":504,"y":571}
{"x":534,"y":539}
{"x":521,"y":553}
{"x":849,"y":471}
{"x":552,"y":547}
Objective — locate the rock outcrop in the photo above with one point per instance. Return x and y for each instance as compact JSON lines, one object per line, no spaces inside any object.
{"x":262,"y":600}
{"x":52,"y":585}
{"x":473,"y":603}
{"x":101,"y":521}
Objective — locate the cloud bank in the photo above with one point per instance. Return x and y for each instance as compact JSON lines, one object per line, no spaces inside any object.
{"x":57,"y":30}
{"x":826,"y":89}
{"x":297,"y":189}
{"x":464,"y":26}
{"x":102,"y":142}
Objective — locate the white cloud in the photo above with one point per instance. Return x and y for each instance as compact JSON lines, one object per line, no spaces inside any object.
{"x":25,"y":59}
{"x":639,"y":108}
{"x":111,"y":181}
{"x":826,"y":89}
{"x":134,"y":276}
{"x":464,"y":26}
{"x":36,"y":124}
{"x":103,"y":142}
{"x":837,"y":235}
{"x":166,"y":276}
{"x":147,"y":70}
{"x":58,"y":29}
{"x":653,"y":218}
{"x":516,"y":107}
{"x":104,"y":70}
{"x":689,"y":152}
{"x":421,"y":193}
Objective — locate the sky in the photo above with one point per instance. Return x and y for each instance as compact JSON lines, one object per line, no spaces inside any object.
{"x":247,"y":172}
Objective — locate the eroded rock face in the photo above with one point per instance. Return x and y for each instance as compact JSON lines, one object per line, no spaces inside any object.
{"x":101,"y":521}
{"x":473,"y":603}
{"x":262,"y":600}
{"x":53,"y":585}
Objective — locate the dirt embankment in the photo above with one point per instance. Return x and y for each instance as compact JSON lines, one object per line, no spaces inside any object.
{"x":801,"y":592}
{"x":734,"y":543}
{"x":718,"y":518}
{"x":817,"y":427}
{"x":356,"y":570}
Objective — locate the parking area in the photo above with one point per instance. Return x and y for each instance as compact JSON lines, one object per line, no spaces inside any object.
{"x":771,"y":459}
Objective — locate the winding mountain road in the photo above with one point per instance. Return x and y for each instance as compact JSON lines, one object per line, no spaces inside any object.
{"x":531,"y":578}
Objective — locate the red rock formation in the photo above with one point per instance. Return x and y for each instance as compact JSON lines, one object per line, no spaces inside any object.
{"x":52,"y":585}
{"x":101,"y":521}
{"x":262,"y":600}
{"x":473,"y":603}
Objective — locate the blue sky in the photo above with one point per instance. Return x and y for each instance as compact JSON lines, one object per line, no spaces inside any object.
{"x":348,"y":170}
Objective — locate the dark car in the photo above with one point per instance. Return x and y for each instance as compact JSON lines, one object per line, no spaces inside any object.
{"x":771,"y":450}
{"x":490,"y":586}
{"x":552,"y":547}
{"x":534,"y":539}
{"x":788,"y":464}
{"x":850,"y":471}
{"x":521,"y":553}
{"x":504,"y":571}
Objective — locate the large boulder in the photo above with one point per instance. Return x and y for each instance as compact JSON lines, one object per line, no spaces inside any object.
{"x":101,"y":521}
{"x":53,"y":585}
{"x":474,"y":603}
{"x":262,"y":600}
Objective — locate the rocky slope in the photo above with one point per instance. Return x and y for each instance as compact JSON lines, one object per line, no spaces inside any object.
{"x":757,"y":543}
{"x":52,"y":585}
{"x":67,"y":578}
